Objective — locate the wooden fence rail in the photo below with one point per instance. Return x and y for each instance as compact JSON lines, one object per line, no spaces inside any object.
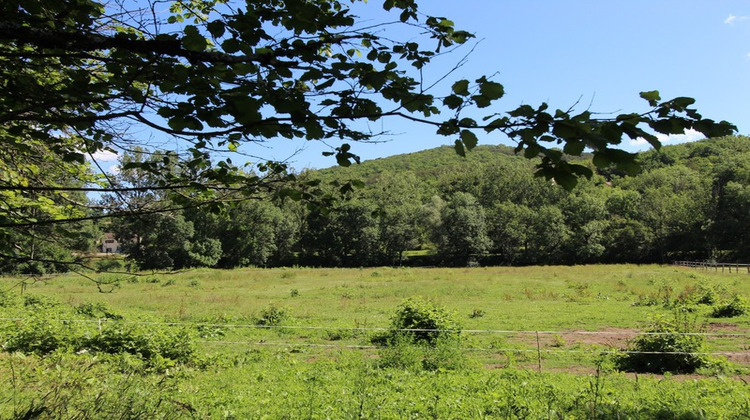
{"x":716,"y":266}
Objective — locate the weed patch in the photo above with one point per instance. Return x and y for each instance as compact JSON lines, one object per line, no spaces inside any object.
{"x":668,"y":345}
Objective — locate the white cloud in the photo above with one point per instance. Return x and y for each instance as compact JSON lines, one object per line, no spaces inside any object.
{"x":105,"y":156}
{"x":733,"y":18}
{"x":686,"y":137}
{"x":114,"y":169}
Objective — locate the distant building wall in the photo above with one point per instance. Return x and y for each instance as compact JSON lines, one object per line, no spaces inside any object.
{"x":109,"y":244}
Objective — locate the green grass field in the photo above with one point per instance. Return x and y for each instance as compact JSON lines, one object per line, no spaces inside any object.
{"x":536,"y":343}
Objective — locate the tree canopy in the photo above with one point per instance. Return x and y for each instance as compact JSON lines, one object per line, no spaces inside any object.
{"x":82,"y":77}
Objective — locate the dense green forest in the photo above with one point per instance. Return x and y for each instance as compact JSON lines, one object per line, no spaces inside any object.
{"x":691,"y":201}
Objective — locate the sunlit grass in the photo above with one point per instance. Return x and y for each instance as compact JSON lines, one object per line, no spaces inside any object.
{"x":524,"y":298}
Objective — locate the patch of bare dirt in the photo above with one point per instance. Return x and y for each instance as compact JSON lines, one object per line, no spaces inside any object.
{"x":608,"y":337}
{"x":724,"y":327}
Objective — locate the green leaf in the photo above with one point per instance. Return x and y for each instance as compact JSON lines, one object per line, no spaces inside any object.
{"x":581,"y":170}
{"x":681,"y":103}
{"x":497,"y":123}
{"x":601,"y":161}
{"x":231,"y":45}
{"x":448,"y":128}
{"x":193,"y":40}
{"x":565,"y":130}
{"x":492,"y":90}
{"x":469,"y":139}
{"x":566,"y":180}
{"x":459,"y":147}
{"x":629,"y":167}
{"x":574,"y":148}
{"x":216,"y":28}
{"x":461,"y":88}
{"x":652,"y":96}
{"x":453,"y":101}
{"x":481,"y":101}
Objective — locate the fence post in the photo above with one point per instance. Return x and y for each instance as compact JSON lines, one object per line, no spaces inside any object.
{"x":538,"y":352}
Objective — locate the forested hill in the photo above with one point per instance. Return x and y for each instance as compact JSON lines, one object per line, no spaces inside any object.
{"x":700,"y":155}
{"x":425,"y":164}
{"x":692,"y":201}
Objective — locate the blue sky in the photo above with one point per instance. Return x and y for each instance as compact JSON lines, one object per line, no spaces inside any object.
{"x":601,"y":53}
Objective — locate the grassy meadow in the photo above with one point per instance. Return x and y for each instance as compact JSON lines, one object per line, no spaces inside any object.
{"x":302,"y":343}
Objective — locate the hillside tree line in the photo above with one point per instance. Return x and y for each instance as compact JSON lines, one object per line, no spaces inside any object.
{"x":691,"y":202}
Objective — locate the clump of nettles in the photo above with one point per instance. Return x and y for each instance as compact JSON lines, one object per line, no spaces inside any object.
{"x":736,"y":307}
{"x":44,"y":327}
{"x":668,"y":345}
{"x":272,"y":316}
{"x":423,"y":335}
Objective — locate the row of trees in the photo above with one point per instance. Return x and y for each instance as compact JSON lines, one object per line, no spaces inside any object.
{"x":693,"y":201}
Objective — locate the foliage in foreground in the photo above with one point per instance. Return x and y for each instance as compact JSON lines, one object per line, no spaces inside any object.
{"x":281,"y":384}
{"x":401,"y":381}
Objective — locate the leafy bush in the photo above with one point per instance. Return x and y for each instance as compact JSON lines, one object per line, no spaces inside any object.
{"x":96,"y":310}
{"x":8,"y":299}
{"x":401,"y":353}
{"x":272,"y":315}
{"x":425,"y":322}
{"x":667,"y":346}
{"x":151,"y":345}
{"x":706,"y":296}
{"x":109,"y":264}
{"x":476,"y":313}
{"x":47,"y":330}
{"x":39,"y":336}
{"x":40,"y":302}
{"x":736,"y":307}
{"x":423,"y":336}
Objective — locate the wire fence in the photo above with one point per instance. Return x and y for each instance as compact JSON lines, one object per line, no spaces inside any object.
{"x":538,"y":349}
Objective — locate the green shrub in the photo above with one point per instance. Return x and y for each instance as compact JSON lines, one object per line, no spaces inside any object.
{"x":8,"y":299}
{"x":96,"y":310}
{"x":667,"y":346}
{"x":38,"y":336}
{"x":40,"y":302}
{"x":109,"y":264}
{"x":425,"y":322}
{"x":736,"y":307}
{"x":272,"y":315}
{"x":150,"y":345}
{"x":401,"y":353}
{"x":706,"y":295}
{"x":476,"y":313}
{"x":43,"y":335}
{"x":423,"y":336}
